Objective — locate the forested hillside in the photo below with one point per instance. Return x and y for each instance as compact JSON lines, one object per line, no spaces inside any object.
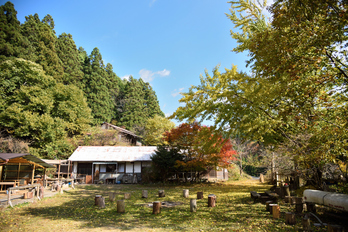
{"x":51,"y":91}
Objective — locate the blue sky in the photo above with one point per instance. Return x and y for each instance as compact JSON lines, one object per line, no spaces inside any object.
{"x":167,"y":43}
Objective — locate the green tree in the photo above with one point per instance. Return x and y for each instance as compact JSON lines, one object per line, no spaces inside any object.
{"x":35,"y":108}
{"x":69,"y":56}
{"x":155,"y":128}
{"x":152,"y":103}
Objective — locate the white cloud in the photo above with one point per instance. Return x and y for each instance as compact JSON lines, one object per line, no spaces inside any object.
{"x":177,"y":92}
{"x":148,"y":75}
{"x":126,"y":77}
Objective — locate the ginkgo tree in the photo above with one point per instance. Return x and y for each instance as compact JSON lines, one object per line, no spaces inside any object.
{"x":295,"y":95}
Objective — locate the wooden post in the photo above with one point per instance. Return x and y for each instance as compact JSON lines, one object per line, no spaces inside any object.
{"x":161,"y":193}
{"x":69,"y":170}
{"x":9,"y":198}
{"x":186,"y":193}
{"x":1,"y":172}
{"x":156,"y":207}
{"x":121,"y":207}
{"x":334,"y":228}
{"x":306,"y":223}
{"x":59,"y":172}
{"x":290,"y":218}
{"x":127,"y":195}
{"x":270,"y":206}
{"x":144,"y":194}
{"x":275,"y":211}
{"x":96,"y":199}
{"x":32,"y":174}
{"x":267,"y":205}
{"x":193,"y":205}
{"x":262,"y":180}
{"x":299,"y":204}
{"x":112,"y":197}
{"x":42,"y":189}
{"x":101,"y":202}
{"x":44,"y":178}
{"x":199,"y":195}
{"x":211,"y":200}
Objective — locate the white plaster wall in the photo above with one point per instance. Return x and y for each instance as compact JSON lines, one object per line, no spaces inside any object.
{"x":129,"y":167}
{"x":137,"y":167}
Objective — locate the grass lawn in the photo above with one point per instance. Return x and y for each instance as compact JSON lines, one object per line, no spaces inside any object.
{"x":75,"y":210}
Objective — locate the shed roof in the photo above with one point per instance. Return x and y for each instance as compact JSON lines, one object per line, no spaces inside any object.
{"x":24,"y":158}
{"x":122,"y":130}
{"x":109,"y":153}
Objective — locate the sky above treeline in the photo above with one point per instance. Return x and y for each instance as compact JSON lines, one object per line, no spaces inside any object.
{"x":166,"y":43}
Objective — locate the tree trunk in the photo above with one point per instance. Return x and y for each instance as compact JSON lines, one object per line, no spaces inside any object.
{"x":121,"y":207}
{"x":193,"y":205}
{"x":186,"y":193}
{"x":156,"y":207}
{"x":199,"y":195}
{"x":290,"y":218}
{"x":144,"y":194}
{"x":211,"y":200}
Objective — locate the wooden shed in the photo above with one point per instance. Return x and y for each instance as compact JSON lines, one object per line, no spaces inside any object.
{"x":20,"y":168}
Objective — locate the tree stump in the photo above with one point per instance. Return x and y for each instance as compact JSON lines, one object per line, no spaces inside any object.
{"x":275,"y":211}
{"x":41,"y":189}
{"x":299,"y":204}
{"x":334,"y":228}
{"x":100,"y":202}
{"x":311,"y":207}
{"x":127,"y":195}
{"x":121,"y":207}
{"x":193,"y":205}
{"x":270,"y":207}
{"x":306,"y":223}
{"x":290,"y":218}
{"x":267,"y":205}
{"x":199,"y":195}
{"x":211,"y":200}
{"x":161,"y":193}
{"x":144,"y":194}
{"x":112,"y":197}
{"x":156,"y":207}
{"x":262,"y":180}
{"x":186,"y":193}
{"x":96,"y":199}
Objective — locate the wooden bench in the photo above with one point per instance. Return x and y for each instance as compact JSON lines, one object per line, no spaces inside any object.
{"x":13,"y":183}
{"x":9,"y":191}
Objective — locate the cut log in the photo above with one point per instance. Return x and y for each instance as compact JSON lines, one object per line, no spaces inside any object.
{"x":299,"y":204}
{"x":311,"y":207}
{"x":306,"y":223}
{"x":161,"y":193}
{"x":199,"y":195}
{"x":144,"y":194}
{"x":186,"y":193}
{"x":112,"y":197}
{"x":275,"y":211}
{"x":193,"y":205}
{"x":156,"y":207}
{"x":127,"y":195}
{"x":290,"y":218}
{"x":267,"y":205}
{"x":211,"y":200}
{"x":96,"y":199}
{"x":262,"y":180}
{"x":270,"y":206}
{"x":121,"y":207}
{"x":334,"y":228}
{"x":101,"y":202}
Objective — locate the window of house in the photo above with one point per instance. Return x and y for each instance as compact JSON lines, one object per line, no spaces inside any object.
{"x":111,"y":168}
{"x":120,"y":167}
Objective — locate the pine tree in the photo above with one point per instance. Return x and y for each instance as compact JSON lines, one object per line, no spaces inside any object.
{"x":114,"y":83}
{"x":12,"y":42}
{"x":152,"y":103}
{"x":69,"y":56}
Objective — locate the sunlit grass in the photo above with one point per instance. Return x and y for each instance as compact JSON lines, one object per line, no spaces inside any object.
{"x":75,"y":210}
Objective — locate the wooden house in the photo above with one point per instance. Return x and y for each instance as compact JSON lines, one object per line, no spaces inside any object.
{"x":123,"y":134}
